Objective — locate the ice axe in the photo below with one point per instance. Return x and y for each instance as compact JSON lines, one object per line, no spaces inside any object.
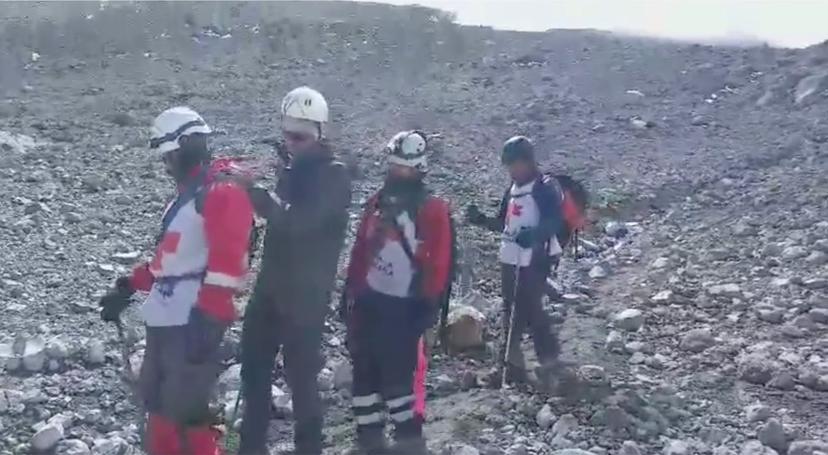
{"x":510,"y":330}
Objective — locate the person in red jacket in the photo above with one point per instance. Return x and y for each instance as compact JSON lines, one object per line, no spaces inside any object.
{"x":399,"y":268}
{"x":200,"y":261}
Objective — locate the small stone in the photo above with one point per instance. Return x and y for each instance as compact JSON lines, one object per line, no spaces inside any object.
{"x":723,"y":450}
{"x":47,"y":437}
{"x":464,"y":449}
{"x":56,"y":349}
{"x":629,"y":319}
{"x":807,"y":448}
{"x":72,"y":447}
{"x":545,"y":417}
{"x":676,"y":448}
{"x":325,"y":380}
{"x":782,"y":381}
{"x":616,"y":229}
{"x":565,"y":425}
{"x":598,"y":272}
{"x":615,"y":342}
{"x":660,"y":263}
{"x":756,"y":448}
{"x":794,"y":252}
{"x":629,"y":448}
{"x":730,"y":290}
{"x":772,"y":434}
{"x":817,"y":258}
{"x":465,"y":328}
{"x":230,"y":379}
{"x":114,"y":445}
{"x":757,"y":413}
{"x":665,"y":297}
{"x":756,"y":369}
{"x":774,"y":315}
{"x":819,"y":315}
{"x":816,"y":283}
{"x":697,"y":340}
{"x":95,"y":352}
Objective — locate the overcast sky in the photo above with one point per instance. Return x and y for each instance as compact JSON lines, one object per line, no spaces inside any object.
{"x":788,"y":23}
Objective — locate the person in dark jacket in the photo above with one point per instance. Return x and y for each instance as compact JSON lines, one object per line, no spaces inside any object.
{"x":399,"y":269}
{"x":529,"y":221}
{"x":307,"y":218}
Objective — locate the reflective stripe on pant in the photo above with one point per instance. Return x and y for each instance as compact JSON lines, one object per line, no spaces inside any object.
{"x":527,"y":303}
{"x":176,"y":393}
{"x":385,"y":357}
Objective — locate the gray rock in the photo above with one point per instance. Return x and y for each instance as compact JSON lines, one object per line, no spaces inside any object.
{"x":464,"y":449}
{"x":697,"y":340}
{"x":665,"y":297}
{"x":817,"y":258}
{"x":325,"y":380}
{"x":722,"y":450}
{"x":616,"y":229}
{"x":676,"y":447}
{"x":565,"y":425}
{"x":782,"y":381}
{"x":729,"y":290}
{"x":816,"y":283}
{"x":343,"y":375}
{"x":809,"y":87}
{"x":772,"y":434}
{"x":757,"y":413}
{"x":47,"y":437}
{"x":56,"y":349}
{"x":230,"y":379}
{"x":615,"y":342}
{"x":819,"y":315}
{"x":95,"y":352}
{"x":660,"y":263}
{"x":793,"y":253}
{"x":517,"y":449}
{"x":465,"y":328}
{"x":821,"y":245}
{"x":629,"y":448}
{"x":629,"y":319}
{"x":774,"y":315}
{"x":282,"y":402}
{"x":807,"y":447}
{"x":756,"y":369}
{"x":72,"y":447}
{"x":572,"y":452}
{"x":545,"y":417}
{"x":756,"y":448}
{"x":114,"y":445}
{"x":34,"y":355}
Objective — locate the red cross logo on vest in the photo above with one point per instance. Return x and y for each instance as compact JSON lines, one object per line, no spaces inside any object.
{"x":516,"y":210}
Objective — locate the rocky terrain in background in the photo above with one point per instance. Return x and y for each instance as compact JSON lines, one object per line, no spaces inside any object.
{"x":697,"y":316}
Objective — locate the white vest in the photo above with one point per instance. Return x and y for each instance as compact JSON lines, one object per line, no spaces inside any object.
{"x":522,"y":212}
{"x":182,"y":252}
{"x":392,"y":271}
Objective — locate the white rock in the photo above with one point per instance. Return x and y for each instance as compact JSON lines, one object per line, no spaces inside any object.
{"x":663,"y":298}
{"x":729,"y":290}
{"x":114,"y":445}
{"x":598,"y":272}
{"x":47,"y":437}
{"x":615,"y":342}
{"x":676,"y":448}
{"x":792,"y":253}
{"x":629,"y":448}
{"x":629,"y":319}
{"x":72,"y":447}
{"x":343,"y":375}
{"x":8,"y":359}
{"x":325,"y":380}
{"x":16,"y":142}
{"x":616,"y":229}
{"x":282,"y":401}
{"x":95,"y":352}
{"x":697,"y":340}
{"x":756,"y":448}
{"x":545,"y":417}
{"x":757,"y":413}
{"x":465,"y":328}
{"x":817,"y":258}
{"x":660,"y":263}
{"x":34,"y":355}
{"x":464,"y":449}
{"x":565,"y":425}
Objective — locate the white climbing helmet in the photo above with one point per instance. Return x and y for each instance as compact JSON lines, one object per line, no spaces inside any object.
{"x":304,"y":110}
{"x":174,"y":123}
{"x":408,"y":148}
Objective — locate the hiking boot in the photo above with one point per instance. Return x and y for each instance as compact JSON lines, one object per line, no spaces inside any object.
{"x":415,"y":446}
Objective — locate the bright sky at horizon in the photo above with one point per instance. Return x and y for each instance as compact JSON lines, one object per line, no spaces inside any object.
{"x":784,"y":23}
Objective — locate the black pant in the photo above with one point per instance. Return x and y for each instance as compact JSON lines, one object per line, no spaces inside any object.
{"x":265,"y":331}
{"x":384,"y":334}
{"x":527,"y":303}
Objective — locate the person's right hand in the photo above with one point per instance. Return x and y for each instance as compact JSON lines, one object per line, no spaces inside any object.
{"x":474,"y":215}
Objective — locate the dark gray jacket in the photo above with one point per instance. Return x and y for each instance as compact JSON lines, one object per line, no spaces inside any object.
{"x":303,"y":242}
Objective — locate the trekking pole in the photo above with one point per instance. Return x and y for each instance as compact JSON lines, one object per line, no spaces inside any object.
{"x":511,"y":329}
{"x":129,"y":378}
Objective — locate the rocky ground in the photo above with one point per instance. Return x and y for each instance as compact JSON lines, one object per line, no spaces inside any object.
{"x":698,"y":314}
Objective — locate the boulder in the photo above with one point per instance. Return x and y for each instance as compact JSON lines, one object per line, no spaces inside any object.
{"x":756,"y":448}
{"x":95,"y":352}
{"x":545,"y":417}
{"x":34,"y":355}
{"x":465,"y":328}
{"x":676,"y":447}
{"x":772,"y":434}
{"x":72,"y":447}
{"x":47,"y":437}
{"x":697,"y":340}
{"x":807,"y":447}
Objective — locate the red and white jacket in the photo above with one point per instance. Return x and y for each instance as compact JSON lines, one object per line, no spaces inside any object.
{"x":378,"y":261}
{"x":203,"y":257}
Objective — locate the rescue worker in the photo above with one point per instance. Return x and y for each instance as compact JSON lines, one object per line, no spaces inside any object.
{"x":398,"y":271}
{"x":306,"y":221}
{"x":200,"y":262}
{"x":529,"y":221}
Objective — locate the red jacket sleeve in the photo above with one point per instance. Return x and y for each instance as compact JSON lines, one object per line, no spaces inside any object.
{"x":434,"y":255}
{"x":359,"y":261}
{"x":141,"y":278}
{"x":228,"y":220}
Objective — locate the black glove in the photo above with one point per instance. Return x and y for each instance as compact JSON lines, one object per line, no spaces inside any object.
{"x":116,"y":301}
{"x":525,"y":238}
{"x":204,"y":336}
{"x":262,"y":203}
{"x":475,"y":216}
